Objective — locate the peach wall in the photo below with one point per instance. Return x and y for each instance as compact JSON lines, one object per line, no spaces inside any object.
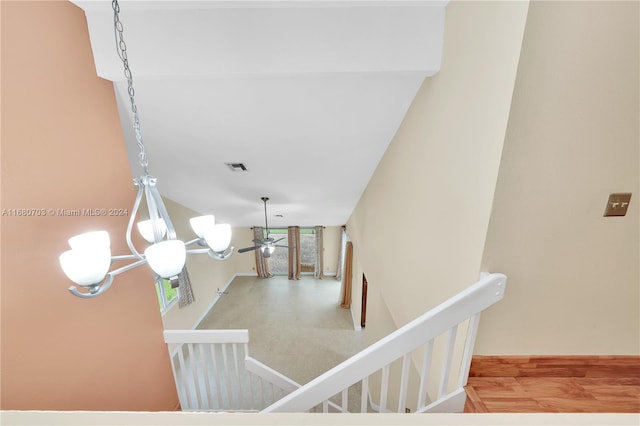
{"x":62,"y":148}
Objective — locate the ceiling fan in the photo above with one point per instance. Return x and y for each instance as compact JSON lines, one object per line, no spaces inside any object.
{"x":266,"y":245}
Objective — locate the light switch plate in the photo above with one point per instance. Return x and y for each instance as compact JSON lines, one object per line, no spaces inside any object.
{"x":617,"y":204}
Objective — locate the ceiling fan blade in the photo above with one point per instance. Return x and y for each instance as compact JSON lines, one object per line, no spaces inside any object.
{"x":282,"y":246}
{"x":279,"y":239}
{"x":246,"y":249}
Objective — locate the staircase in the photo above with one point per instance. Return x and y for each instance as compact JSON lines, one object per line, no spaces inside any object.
{"x":421,"y":367}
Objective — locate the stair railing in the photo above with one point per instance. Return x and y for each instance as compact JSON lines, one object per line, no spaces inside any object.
{"x":214,"y":372}
{"x":413,"y":340}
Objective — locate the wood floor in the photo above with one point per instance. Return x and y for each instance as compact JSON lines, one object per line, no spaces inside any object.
{"x":554,"y":384}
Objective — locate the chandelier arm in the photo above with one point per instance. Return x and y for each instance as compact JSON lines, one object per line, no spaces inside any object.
{"x":95,"y":290}
{"x":100,"y":288}
{"x":171,"y":231}
{"x":213,"y":254}
{"x":221,"y":255}
{"x":198,"y":251}
{"x":124,"y":257}
{"x":194,"y":241}
{"x":132,"y":219}
{"x":153,"y":207}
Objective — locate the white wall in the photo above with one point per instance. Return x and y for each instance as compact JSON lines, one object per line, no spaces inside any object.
{"x":573,"y":135}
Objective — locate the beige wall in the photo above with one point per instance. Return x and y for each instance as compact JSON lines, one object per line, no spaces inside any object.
{"x":62,"y":148}
{"x":332,"y":238}
{"x":573,"y":137}
{"x":206,"y":274}
{"x":245,"y":263}
{"x":419,"y":228}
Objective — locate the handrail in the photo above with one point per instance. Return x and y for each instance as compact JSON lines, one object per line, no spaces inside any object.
{"x":206,"y":336}
{"x":469,"y":302}
{"x":269,"y":374}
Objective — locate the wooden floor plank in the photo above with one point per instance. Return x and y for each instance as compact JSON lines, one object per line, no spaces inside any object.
{"x":572,"y":384}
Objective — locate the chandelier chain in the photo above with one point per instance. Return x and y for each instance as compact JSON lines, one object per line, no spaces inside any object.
{"x":122,"y":53}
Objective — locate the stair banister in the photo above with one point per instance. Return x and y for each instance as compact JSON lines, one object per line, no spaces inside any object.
{"x":407,"y":338}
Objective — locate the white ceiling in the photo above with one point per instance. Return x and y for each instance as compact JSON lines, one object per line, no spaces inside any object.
{"x":308,"y":94}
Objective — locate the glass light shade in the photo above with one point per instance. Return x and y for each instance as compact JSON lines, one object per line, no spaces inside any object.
{"x":166,"y":258}
{"x":271,"y":249}
{"x":145,"y":228}
{"x":90,"y":241}
{"x":218,"y":237}
{"x":86,"y":267}
{"x":201,"y":223}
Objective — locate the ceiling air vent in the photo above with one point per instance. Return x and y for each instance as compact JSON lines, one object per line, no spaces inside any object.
{"x":237,"y":167}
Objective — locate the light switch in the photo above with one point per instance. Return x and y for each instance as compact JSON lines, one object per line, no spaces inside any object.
{"x":617,"y":204}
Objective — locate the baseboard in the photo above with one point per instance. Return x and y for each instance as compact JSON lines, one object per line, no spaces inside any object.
{"x":245,"y":274}
{"x":356,"y":326}
{"x":217,"y":297}
{"x":618,"y":366}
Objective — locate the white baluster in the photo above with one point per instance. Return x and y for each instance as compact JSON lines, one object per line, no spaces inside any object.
{"x":404,"y":383}
{"x":424,"y":375}
{"x":472,"y":332}
{"x":364,"y":395}
{"x":185,"y":381}
{"x":446,"y":367}
{"x":384,"y":388}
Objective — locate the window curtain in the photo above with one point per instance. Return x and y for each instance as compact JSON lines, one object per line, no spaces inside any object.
{"x":346,"y":288}
{"x":318,"y":271}
{"x":262,"y":266}
{"x":341,"y":250}
{"x":294,"y":252}
{"x":185,"y":292}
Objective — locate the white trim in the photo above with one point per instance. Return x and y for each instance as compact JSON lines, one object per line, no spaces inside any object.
{"x":272,"y":376}
{"x":450,"y":403}
{"x":206,"y":336}
{"x":356,"y":326}
{"x":375,"y":407}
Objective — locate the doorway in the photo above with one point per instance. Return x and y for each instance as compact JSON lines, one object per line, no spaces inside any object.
{"x":363,"y":314}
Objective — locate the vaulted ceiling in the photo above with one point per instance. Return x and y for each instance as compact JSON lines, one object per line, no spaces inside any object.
{"x":307,"y":94}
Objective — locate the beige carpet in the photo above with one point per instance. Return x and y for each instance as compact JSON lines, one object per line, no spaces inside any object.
{"x":295,"y":327}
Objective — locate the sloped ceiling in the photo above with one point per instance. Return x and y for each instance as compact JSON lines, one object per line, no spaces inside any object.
{"x":308,"y":94}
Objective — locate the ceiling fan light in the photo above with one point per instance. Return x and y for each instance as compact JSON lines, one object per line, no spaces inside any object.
{"x":86,"y":267}
{"x":218,"y":237}
{"x":271,"y":249}
{"x":90,"y":241}
{"x":200,"y":224}
{"x":166,"y":258}
{"x":145,"y":228}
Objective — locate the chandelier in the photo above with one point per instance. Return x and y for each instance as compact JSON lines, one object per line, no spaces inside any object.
{"x":87,"y":263}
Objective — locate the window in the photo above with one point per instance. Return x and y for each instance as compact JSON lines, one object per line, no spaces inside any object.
{"x":307,"y":250}
{"x":166,"y":294}
{"x":279,"y":260}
